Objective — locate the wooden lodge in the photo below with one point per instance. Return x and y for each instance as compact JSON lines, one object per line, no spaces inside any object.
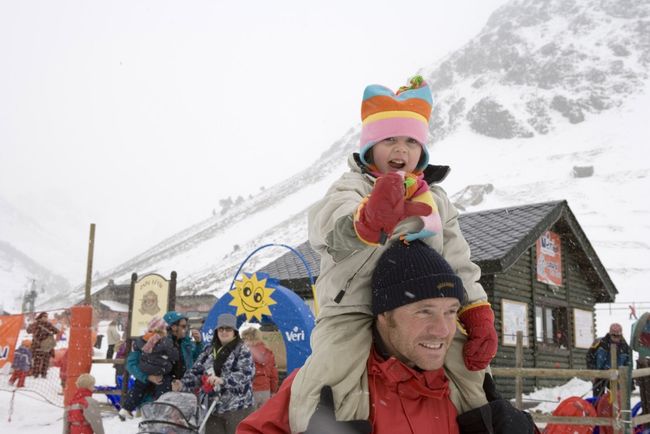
{"x":540,"y":272}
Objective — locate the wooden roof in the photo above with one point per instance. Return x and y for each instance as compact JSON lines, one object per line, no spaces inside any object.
{"x":497,"y":238}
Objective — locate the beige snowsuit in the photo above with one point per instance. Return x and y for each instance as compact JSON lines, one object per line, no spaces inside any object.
{"x":342,"y":337}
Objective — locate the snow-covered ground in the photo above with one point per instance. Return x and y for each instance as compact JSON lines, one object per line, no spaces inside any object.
{"x":28,"y":412}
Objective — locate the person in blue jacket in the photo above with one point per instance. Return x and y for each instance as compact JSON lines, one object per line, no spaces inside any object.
{"x":188,"y":347}
{"x":602,"y":354}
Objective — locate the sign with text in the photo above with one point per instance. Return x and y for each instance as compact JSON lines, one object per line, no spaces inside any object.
{"x":549,"y":259}
{"x":10,"y":326}
{"x":583,"y":328}
{"x":514,"y":318}
{"x":150,"y":297}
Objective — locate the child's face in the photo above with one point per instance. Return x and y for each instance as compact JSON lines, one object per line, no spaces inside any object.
{"x":396,"y":154}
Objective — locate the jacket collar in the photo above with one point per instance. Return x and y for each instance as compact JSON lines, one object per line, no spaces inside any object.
{"x":82,"y":392}
{"x":432,"y":174}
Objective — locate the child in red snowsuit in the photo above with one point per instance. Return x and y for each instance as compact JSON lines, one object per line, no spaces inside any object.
{"x":82,"y":416}
{"x":22,"y":364}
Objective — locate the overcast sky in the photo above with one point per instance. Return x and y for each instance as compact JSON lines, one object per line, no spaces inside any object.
{"x":140,"y":115}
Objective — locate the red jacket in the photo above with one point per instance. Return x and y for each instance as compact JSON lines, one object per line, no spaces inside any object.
{"x":266,"y":374}
{"x":403,"y":401}
{"x":77,"y":423}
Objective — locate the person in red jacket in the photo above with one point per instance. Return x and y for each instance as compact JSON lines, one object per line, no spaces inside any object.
{"x":265,"y":382}
{"x":83,"y":416}
{"x":416,"y":297}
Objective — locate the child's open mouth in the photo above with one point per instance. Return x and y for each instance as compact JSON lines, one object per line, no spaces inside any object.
{"x":397,"y":164}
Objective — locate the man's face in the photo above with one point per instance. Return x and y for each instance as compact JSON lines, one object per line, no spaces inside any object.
{"x":179,"y":330}
{"x":616,"y":332}
{"x":419,"y":334}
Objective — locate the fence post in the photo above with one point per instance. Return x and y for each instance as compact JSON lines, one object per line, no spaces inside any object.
{"x":613,"y":390}
{"x":80,"y":348}
{"x":626,"y":414}
{"x":519,"y":363}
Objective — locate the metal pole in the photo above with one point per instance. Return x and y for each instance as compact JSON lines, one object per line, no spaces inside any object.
{"x":89,"y":269}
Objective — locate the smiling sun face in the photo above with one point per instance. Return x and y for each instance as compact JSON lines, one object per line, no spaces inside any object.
{"x":252,"y":297}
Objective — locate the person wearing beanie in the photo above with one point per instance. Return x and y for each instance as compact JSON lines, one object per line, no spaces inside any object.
{"x":391,"y":192}
{"x":416,"y":296}
{"x":223,"y":373}
{"x":159,"y":359}
{"x":83,"y":415}
{"x":21,"y":364}
{"x":189,"y":347}
{"x":155,"y":354}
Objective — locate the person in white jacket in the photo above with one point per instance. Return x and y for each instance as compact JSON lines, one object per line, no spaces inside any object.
{"x":113,"y":336}
{"x":389,"y":195}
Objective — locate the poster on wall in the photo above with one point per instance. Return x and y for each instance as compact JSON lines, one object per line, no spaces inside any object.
{"x":514,"y":318}
{"x":150,"y":297}
{"x":549,"y":259}
{"x":583,"y":328}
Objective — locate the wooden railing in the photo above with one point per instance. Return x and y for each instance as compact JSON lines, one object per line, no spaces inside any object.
{"x":621,"y":419}
{"x":111,"y":362}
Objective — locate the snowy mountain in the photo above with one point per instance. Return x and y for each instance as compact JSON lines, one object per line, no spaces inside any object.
{"x":20,"y":234}
{"x":545,"y":89}
{"x":539,"y":64}
{"x":17,"y":271}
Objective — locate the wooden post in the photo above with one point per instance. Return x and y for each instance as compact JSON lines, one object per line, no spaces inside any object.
{"x":626,"y":414}
{"x":89,"y":268}
{"x":519,"y":363}
{"x":613,"y":391}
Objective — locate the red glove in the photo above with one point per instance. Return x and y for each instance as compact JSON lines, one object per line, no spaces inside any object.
{"x":482,"y":341}
{"x":205,"y":384}
{"x":384,"y":208}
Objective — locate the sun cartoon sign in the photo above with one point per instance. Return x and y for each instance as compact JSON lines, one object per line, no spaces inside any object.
{"x":252,"y":297}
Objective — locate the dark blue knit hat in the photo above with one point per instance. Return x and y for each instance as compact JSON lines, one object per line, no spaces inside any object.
{"x":406,"y":273}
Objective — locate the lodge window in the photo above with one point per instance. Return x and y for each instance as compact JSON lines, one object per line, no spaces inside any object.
{"x":552,"y":325}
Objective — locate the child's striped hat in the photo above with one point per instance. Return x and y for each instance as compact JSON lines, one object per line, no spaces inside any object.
{"x":387,"y":114}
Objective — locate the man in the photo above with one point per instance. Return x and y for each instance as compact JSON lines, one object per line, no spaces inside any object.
{"x":415,"y":300}
{"x":188,"y":348}
{"x":600,"y":354}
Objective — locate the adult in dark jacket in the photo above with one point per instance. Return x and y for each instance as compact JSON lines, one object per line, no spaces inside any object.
{"x":188,"y":350}
{"x":224,"y":372}
{"x":416,"y":297}
{"x":603,"y":356}
{"x":43,"y":342}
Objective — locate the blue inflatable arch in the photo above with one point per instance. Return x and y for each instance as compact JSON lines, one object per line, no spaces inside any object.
{"x":289,"y":313}
{"x":277,"y":304}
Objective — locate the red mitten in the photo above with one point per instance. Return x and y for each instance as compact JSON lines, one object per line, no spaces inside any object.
{"x":205,"y":384}
{"x":384,"y":208}
{"x":482,"y":341}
